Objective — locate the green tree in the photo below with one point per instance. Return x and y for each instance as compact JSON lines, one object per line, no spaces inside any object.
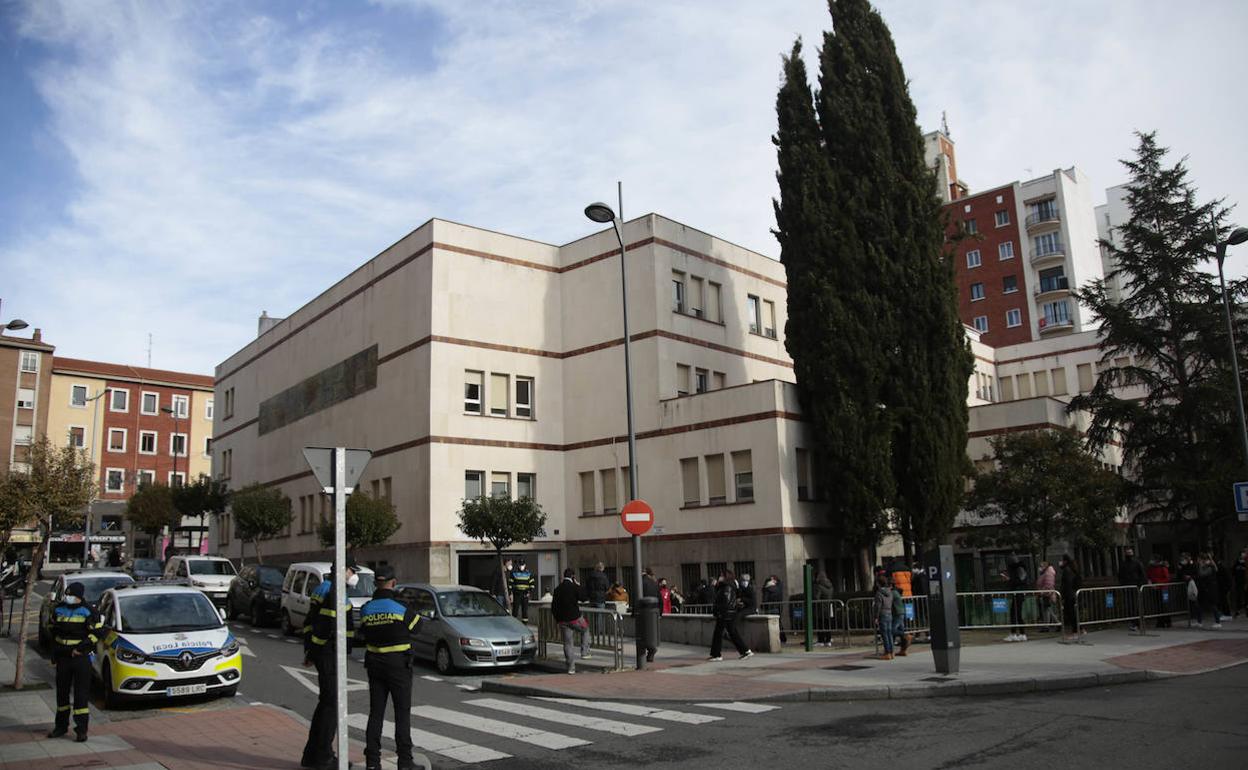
{"x":202,"y":497}
{"x":1046,"y":487}
{"x":1164,"y":389}
{"x":501,"y":522}
{"x":59,"y":486}
{"x":151,"y":508}
{"x":12,"y":511}
{"x":259,"y":512}
{"x":370,"y":521}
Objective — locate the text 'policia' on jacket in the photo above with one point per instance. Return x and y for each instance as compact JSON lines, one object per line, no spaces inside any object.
{"x":386,"y":625}
{"x":318,"y":629}
{"x":74,"y":627}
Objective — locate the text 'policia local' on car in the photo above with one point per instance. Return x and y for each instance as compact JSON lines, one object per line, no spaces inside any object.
{"x":162,"y":641}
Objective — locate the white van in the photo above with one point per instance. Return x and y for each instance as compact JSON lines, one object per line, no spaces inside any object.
{"x":303,"y":578}
{"x":210,"y":574}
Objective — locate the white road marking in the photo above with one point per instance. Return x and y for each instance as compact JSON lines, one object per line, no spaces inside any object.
{"x":247,"y":653}
{"x":307,"y":677}
{"x":273,"y":636}
{"x":431,"y":678}
{"x":601,"y":724}
{"x":292,"y":641}
{"x":745,"y":708}
{"x":469,"y":687}
{"x":467,"y":753}
{"x":531,"y":735}
{"x":636,"y":710}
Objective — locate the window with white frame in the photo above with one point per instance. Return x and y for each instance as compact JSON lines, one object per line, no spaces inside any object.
{"x":689,"y":481}
{"x":743,"y":476}
{"x":701,"y":380}
{"x":977,"y":292}
{"x":177,"y":444}
{"x":973,"y":258}
{"x":499,"y":384}
{"x":77,"y":436}
{"x":177,"y":478}
{"x":1002,"y":217}
{"x":30,"y":361}
{"x":147,"y":442}
{"x":1013,"y":317}
{"x":754,"y":308}
{"x":78,"y":395}
{"x":1009,"y":284}
{"x":714,"y":309}
{"x":474,"y":482}
{"x":149,"y":402}
{"x":207,"y":446}
{"x":1047,"y":243}
{"x":526,"y":486}
{"x":115,"y":480}
{"x":473,"y":385}
{"x":23,"y":435}
{"x":610,"y":493}
{"x":181,"y":406}
{"x":969,"y":226}
{"x":696,"y":294}
{"x":715,"y":479}
{"x":25,"y":398}
{"x":682,"y":380}
{"x":980,"y":323}
{"x":588,"y":502}
{"x":208,"y":410}
{"x":116,"y":439}
{"x":500,"y":484}
{"x":769,"y":316}
{"x":119,"y":400}
{"x":678,"y":292}
{"x":1005,"y":250}
{"x":146,"y":477}
{"x":524,"y":397}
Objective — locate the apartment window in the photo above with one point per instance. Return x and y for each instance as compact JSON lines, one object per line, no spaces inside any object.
{"x":715,"y":480}
{"x":498,"y":395}
{"x":229,"y":403}
{"x":24,"y":435}
{"x":1002,"y":217}
{"x":717,"y":380}
{"x":682,"y":380}
{"x":78,"y":395}
{"x":473,"y":484}
{"x":700,"y":381}
{"x":588,"y":505}
{"x":1059,"y":380}
{"x":1053,"y":279}
{"x":30,"y":361}
{"x":181,"y":406}
{"x":526,"y":486}
{"x":973,"y":258}
{"x":626,"y":481}
{"x":977,"y":292}
{"x":227,"y":464}
{"x":714,"y":309}
{"x":1005,"y":250}
{"x":77,"y":437}
{"x":969,"y":226}
{"x":524,"y":397}
{"x":980,"y":323}
{"x":689,"y":481}
{"x":1040,"y":382}
{"x":1047,"y":243}
{"x":500,"y":485}
{"x":1056,"y":313}
{"x":387,"y":488}
{"x":610,"y":492}
{"x":376,"y":488}
{"x":1045,"y":210}
{"x":1009,"y":284}
{"x":208,"y":410}
{"x":742,"y":476}
{"x":207,"y":446}
{"x":119,"y":400}
{"x":146,"y":478}
{"x":115,"y":480}
{"x":678,"y":292}
{"x":755,"y":314}
{"x":803,"y":474}
{"x":177,"y":444}
{"x":472,"y":391}
{"x":695,"y":296}
{"x":769,"y":315}
{"x":149,"y":403}
{"x":1013,"y":317}
{"x":147,"y":442}
{"x":116,"y":439}
{"x":177,"y":479}
{"x":25,"y":398}
{"x":1023,"y":383}
{"x":1007,"y":388}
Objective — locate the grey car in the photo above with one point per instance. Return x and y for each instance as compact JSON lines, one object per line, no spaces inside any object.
{"x":464,"y":627}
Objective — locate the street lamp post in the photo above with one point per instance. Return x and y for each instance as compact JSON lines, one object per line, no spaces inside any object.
{"x":95,"y":440}
{"x":172,"y":412}
{"x":602,"y":213}
{"x":16,"y":324}
{"x":1237,"y":236}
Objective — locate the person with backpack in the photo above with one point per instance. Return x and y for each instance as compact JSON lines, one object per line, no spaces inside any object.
{"x":727,"y":608}
{"x":1016,"y":578}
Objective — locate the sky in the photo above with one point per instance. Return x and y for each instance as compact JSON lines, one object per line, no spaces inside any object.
{"x":175,"y":168}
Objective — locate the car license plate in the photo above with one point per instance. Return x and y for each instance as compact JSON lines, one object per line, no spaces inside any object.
{"x":187,"y":689}
{"x":505,"y":652}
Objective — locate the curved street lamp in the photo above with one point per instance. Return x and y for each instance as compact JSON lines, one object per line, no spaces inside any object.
{"x":1238,"y":235}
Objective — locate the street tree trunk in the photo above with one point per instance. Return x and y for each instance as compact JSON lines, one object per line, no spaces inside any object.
{"x":506,"y":593}
{"x":19,"y":665}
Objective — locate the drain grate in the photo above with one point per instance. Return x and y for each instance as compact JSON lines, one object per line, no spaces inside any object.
{"x":845,"y":667}
{"x":939,"y":679}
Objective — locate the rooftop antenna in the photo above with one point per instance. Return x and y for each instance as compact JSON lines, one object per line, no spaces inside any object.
{"x":149,"y":350}
{"x":944,"y":125}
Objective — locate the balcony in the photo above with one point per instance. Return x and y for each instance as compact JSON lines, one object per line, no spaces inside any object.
{"x":1051,"y":286}
{"x":1053,"y":253}
{"x":1054,"y":325}
{"x":1040,"y":219}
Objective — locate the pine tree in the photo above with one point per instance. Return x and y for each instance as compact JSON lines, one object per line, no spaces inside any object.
{"x":1178,"y":439}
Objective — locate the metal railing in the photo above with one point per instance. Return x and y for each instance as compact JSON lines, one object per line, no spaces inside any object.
{"x":1009,"y":609}
{"x":1048,"y":252}
{"x":605,"y":629}
{"x":1163,"y":600}
{"x":1108,"y":604}
{"x":1042,"y":216}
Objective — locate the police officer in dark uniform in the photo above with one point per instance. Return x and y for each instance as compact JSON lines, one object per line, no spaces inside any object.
{"x":318,"y":650}
{"x":75,"y":633}
{"x":521,"y":584}
{"x":386,"y":628}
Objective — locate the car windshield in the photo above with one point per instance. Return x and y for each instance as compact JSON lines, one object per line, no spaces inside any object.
{"x":469,"y":604}
{"x":365,"y":587}
{"x":210,"y":567}
{"x":270,"y":577}
{"x":147,"y":565}
{"x":166,"y":613}
{"x":94,"y":588}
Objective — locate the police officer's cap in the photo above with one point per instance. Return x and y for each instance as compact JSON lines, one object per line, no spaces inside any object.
{"x":384,"y":572}
{"x":75,"y":589}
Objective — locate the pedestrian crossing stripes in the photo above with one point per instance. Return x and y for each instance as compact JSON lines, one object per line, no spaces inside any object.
{"x":437,"y":744}
{"x":637,"y":710}
{"x":530,"y":735}
{"x":740,"y":706}
{"x":599,"y":724}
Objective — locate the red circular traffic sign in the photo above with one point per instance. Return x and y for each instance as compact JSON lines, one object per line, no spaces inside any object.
{"x":637,"y":517}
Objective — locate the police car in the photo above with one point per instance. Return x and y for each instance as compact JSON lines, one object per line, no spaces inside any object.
{"x":164,"y":641}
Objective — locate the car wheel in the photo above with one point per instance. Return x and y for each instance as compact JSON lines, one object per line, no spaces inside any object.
{"x":443,"y":660}
{"x":111,"y":697}
{"x":230,"y":612}
{"x":287,"y":627}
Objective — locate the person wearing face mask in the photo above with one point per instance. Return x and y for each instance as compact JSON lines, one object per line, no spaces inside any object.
{"x":386,"y":627}
{"x":319,"y":635}
{"x":75,"y":632}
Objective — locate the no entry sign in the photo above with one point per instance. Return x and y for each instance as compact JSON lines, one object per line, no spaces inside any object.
{"x":637,"y":517}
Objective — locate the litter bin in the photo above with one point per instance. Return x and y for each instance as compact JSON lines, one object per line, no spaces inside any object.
{"x":648,"y":622}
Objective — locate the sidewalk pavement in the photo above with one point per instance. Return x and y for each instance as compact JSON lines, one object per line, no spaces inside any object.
{"x":1112,"y":656}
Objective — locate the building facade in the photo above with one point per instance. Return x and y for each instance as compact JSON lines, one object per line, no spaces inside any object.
{"x":25,"y":390}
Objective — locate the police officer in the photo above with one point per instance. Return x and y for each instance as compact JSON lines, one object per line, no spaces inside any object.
{"x":318,"y":650}
{"x":521,"y":584}
{"x":75,"y":633}
{"x":386,"y":627}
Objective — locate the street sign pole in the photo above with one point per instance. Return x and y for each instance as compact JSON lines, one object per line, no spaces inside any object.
{"x":340,"y":599}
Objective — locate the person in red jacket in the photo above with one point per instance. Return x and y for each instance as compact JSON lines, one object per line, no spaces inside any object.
{"x":1159,"y":574}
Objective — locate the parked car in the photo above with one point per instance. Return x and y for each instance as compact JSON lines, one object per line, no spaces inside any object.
{"x":210,"y":574}
{"x":94,"y":583}
{"x":144,"y":569}
{"x":303,"y":578}
{"x":256,"y":592}
{"x":163,"y":641}
{"x":465,"y":627}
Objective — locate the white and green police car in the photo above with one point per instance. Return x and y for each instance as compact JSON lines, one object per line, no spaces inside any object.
{"x":164,"y":641}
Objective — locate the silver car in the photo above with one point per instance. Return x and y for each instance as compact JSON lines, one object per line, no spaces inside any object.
{"x":465,"y":627}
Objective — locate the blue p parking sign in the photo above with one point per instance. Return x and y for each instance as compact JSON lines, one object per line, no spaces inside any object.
{"x":909,"y":610}
{"x":1000,"y":605}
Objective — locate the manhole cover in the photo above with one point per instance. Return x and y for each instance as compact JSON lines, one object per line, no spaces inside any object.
{"x":939,"y":679}
{"x":845,"y":667}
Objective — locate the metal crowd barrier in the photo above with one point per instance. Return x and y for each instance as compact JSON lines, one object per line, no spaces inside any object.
{"x":1009,"y":609}
{"x":1163,"y":601}
{"x":1109,"y":604}
{"x":606,"y":632}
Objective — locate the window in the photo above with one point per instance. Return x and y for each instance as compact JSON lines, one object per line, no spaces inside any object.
{"x":803,"y":474}
{"x":1046,"y":244}
{"x":526,"y":486}
{"x":500,"y":485}
{"x":755,"y":314}
{"x":743,"y":476}
{"x":973,"y":259}
{"x":208,"y":410}
{"x":715,"y":487}
{"x":1056,"y":313}
{"x":119,"y":400}
{"x":181,"y":406}
{"x":1005,"y":250}
{"x":1002,"y":217}
{"x":626,"y":480}
{"x":769,"y":315}
{"x":227,"y":464}
{"x":1059,"y":380}
{"x":1040,"y":382}
{"x":207,"y":446}
{"x":678,"y":292}
{"x":472,"y":391}
{"x":969,"y":226}
{"x":78,"y":395}
{"x":387,"y":488}
{"x":147,"y":442}
{"x":588,"y":505}
{"x":717,"y":380}
{"x":177,"y":479}
{"x":30,"y":361}
{"x":177,"y":444}
{"x":1007,"y":388}
{"x":1044,"y":211}
{"x":1009,"y":284}
{"x":146,"y":478}
{"x":1023,"y":383}
{"x":714,"y":310}
{"x":498,"y":395}
{"x":700,"y":381}
{"x":149,"y":403}
{"x":1013,"y":317}
{"x":115,"y":480}
{"x":1053,"y":279}
{"x":229,"y":403}
{"x":610,"y":493}
{"x":24,"y":435}
{"x":25,"y":398}
{"x":689,"y":481}
{"x":744,"y":568}
{"x":695,"y":296}
{"x":977,"y":292}
{"x":682,"y":380}
{"x":77,"y":436}
{"x":473,"y":484}
{"x":116,"y":439}
{"x":980,"y":323}
{"x":524,"y":397}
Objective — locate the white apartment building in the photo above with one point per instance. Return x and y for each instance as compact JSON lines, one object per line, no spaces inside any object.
{"x":1109,"y":215}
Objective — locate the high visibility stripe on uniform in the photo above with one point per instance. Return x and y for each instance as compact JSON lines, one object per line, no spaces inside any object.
{"x":412,"y":625}
{"x":391,"y":648}
{"x":329,"y":612}
{"x":62,"y":708}
{"x":318,"y":640}
{"x":69,"y":642}
{"x":80,"y":712}
{"x":71,"y":619}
